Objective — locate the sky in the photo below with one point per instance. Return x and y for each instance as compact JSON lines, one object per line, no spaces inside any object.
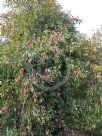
{"x":90,"y":11}
{"x":2,"y":9}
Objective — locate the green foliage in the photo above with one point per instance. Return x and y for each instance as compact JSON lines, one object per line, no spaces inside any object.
{"x":50,"y":76}
{"x":32,"y":17}
{"x":10,"y":132}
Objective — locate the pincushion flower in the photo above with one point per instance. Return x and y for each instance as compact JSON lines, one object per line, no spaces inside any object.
{"x":45,"y":73}
{"x":61,"y":121}
{"x":3,"y":109}
{"x":54,"y":48}
{"x":28,"y":42}
{"x":55,"y":41}
{"x":24,"y":91}
{"x":57,"y":34}
{"x":17,"y":79}
{"x":33,"y":71}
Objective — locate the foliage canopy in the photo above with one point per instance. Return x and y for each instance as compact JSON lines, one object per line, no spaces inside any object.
{"x":43,"y":48}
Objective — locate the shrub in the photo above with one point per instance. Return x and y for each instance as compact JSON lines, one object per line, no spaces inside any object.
{"x":49,"y":81}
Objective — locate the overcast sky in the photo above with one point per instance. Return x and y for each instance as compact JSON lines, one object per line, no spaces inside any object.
{"x":1,"y":6}
{"x":88,"y":10}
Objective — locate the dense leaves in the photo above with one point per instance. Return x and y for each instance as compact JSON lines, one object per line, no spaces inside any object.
{"x":50,"y":75}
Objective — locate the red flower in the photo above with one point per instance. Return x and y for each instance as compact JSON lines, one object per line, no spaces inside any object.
{"x":61,"y":121}
{"x":3,"y":110}
{"x":57,"y":34}
{"x":45,"y":72}
{"x":17,"y":79}
{"x":24,"y":91}
{"x":33,"y":71}
{"x":54,"y":41}
{"x":28,"y":42}
{"x":52,"y":47}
